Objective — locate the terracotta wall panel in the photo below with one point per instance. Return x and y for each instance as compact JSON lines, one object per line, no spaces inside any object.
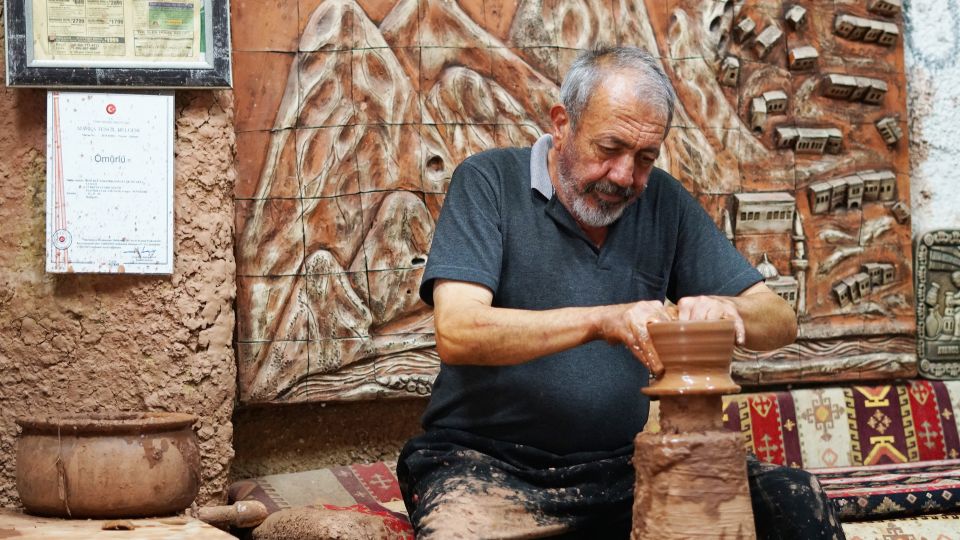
{"x":260,"y":81}
{"x":264,"y":25}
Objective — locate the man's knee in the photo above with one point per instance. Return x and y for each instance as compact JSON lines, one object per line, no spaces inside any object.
{"x":790,"y":503}
{"x":784,"y":481}
{"x":467,"y":508}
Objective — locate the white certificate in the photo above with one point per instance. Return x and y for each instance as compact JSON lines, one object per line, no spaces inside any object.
{"x":109,"y":182}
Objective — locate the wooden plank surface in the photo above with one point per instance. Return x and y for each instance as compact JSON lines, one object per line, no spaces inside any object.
{"x":14,"y":524}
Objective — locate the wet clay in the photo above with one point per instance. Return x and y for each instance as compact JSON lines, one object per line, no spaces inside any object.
{"x":687,"y":414}
{"x":691,"y":478}
{"x":470,"y":508}
{"x":244,"y":515}
{"x":118,"y":525}
{"x":696,"y":356}
{"x":108,"y":465}
{"x":691,"y":485}
{"x":308,"y":523}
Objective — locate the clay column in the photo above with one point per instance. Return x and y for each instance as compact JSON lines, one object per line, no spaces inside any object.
{"x":692,"y":476}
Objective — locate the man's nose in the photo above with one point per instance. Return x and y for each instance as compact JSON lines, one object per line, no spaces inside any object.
{"x":621,"y":171}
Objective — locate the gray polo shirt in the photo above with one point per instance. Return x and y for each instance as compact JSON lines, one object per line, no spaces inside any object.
{"x":502,"y":227}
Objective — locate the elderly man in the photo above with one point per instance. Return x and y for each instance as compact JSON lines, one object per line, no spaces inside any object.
{"x":546,"y":266}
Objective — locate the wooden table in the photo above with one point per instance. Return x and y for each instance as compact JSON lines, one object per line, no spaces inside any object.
{"x":15,"y":525}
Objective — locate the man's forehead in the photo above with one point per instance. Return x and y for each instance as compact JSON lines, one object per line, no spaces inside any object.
{"x":618,"y":94}
{"x":627,"y":124}
{"x":646,"y":140}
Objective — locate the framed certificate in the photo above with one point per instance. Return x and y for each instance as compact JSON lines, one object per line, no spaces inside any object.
{"x":110,"y":182}
{"x":118,"y":43}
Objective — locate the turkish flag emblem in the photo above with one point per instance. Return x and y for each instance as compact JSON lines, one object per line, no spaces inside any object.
{"x":111,"y":108}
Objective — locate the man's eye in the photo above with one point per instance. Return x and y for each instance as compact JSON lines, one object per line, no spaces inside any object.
{"x":608,"y":149}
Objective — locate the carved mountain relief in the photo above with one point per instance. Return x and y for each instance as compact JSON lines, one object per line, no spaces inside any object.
{"x":788,"y":130}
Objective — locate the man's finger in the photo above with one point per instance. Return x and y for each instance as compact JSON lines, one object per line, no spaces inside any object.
{"x":741,"y":331}
{"x":707,"y":310}
{"x":738,"y":327}
{"x":694,"y":309}
{"x":654,"y":364}
{"x":717,"y":311}
{"x":640,"y":348}
{"x":646,"y":347}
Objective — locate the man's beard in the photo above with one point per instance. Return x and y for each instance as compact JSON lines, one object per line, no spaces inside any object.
{"x":605,"y":212}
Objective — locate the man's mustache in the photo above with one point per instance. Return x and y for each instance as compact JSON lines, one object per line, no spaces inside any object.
{"x":609,"y":188}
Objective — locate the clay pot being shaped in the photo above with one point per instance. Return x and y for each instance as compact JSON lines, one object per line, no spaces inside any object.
{"x":696,"y":357}
{"x":108,"y":465}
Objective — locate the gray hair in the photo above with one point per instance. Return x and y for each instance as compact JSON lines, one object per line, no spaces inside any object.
{"x":591,"y":67}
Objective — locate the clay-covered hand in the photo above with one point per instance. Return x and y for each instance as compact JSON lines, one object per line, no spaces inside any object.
{"x":629,"y":326}
{"x":710,"y":308}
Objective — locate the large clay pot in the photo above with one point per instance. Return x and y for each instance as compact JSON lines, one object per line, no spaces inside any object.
{"x":108,"y":465}
{"x":696,"y":357}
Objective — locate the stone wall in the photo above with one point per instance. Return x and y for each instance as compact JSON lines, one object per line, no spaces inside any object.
{"x":83,"y":343}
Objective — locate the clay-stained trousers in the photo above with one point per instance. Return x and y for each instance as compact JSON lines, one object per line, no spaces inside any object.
{"x":458,"y":485}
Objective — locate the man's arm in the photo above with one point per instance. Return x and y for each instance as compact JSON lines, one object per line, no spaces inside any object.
{"x":764,"y":321}
{"x":471,"y":331}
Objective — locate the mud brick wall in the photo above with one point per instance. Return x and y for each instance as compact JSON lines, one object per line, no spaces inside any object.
{"x":352,"y":114}
{"x":83,"y":343}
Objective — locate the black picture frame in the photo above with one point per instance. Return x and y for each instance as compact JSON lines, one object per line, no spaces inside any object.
{"x":215,"y":74}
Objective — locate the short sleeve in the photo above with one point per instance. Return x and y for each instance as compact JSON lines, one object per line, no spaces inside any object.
{"x":467,"y":244}
{"x":706,"y":262}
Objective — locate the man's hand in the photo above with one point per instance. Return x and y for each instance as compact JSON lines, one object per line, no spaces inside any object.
{"x":629,"y":326}
{"x":711,"y":308}
{"x":762,"y":319}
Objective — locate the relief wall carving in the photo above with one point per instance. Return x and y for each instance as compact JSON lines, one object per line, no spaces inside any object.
{"x":352,"y":115}
{"x":937,"y":256}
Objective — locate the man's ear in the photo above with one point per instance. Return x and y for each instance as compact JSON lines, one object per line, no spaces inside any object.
{"x":561,"y":124}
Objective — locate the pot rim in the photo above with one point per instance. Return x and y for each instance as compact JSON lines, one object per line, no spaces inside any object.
{"x":105,"y":423}
{"x":667,"y":327}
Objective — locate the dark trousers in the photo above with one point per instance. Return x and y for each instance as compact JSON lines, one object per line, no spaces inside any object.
{"x":458,"y":485}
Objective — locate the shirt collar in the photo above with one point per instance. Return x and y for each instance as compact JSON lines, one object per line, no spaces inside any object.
{"x":539,"y":171}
